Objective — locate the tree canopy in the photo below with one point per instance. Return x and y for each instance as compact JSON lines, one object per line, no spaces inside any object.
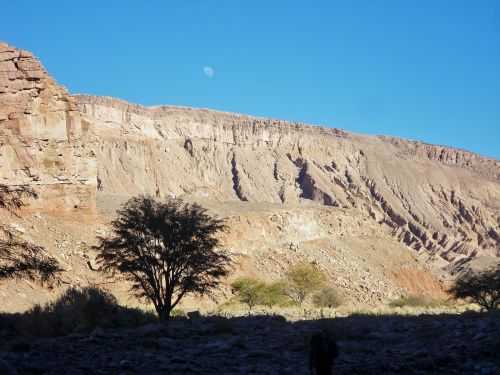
{"x":20,"y":258}
{"x":249,"y":291}
{"x":166,"y":249}
{"x":482,"y":288}
{"x":302,"y":280}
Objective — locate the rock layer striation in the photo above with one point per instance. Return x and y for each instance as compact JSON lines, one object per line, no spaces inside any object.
{"x":44,"y":142}
{"x":434,"y":199}
{"x":315,"y":193}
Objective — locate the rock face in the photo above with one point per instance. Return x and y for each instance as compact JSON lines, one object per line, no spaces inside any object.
{"x":290,"y":191}
{"x":44,"y":142}
{"x":429,"y":196}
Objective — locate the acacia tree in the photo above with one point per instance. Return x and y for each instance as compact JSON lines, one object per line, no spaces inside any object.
{"x":165,"y":249}
{"x":20,"y":258}
{"x":303,"y":279}
{"x":482,"y":288}
{"x":274,"y":294}
{"x":249,"y":291}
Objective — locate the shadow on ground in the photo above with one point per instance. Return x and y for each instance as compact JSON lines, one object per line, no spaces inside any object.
{"x":369,"y":344}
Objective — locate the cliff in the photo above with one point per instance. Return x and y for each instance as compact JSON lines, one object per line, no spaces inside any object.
{"x":44,"y":142}
{"x":429,"y":196}
{"x":364,"y":207}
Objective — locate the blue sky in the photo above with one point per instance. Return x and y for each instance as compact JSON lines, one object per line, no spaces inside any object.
{"x":426,"y":70}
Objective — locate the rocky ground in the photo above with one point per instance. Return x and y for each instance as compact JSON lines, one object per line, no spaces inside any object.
{"x":369,"y":344}
{"x":264,"y":241}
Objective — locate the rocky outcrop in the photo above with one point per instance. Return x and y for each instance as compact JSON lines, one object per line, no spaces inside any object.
{"x":44,"y":142}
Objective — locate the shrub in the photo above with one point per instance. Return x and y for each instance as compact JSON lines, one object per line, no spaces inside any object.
{"x":178,"y":313}
{"x":79,"y":310}
{"x":249,"y":291}
{"x":302,"y":280}
{"x":87,"y":307}
{"x":413,"y":301}
{"x":327,"y":297}
{"x":482,"y":288}
{"x":273,"y":294}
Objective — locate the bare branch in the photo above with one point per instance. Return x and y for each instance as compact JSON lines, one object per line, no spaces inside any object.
{"x":19,"y":258}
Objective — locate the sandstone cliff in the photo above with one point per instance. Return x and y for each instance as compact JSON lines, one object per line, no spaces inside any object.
{"x":43,"y":140}
{"x":429,"y":196}
{"x":363,"y":207}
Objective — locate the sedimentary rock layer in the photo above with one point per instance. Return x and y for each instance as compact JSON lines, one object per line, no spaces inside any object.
{"x":440,"y":200}
{"x":81,"y":152}
{"x":44,"y":142}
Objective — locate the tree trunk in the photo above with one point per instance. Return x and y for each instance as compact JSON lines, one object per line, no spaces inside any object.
{"x":163,"y":312}
{"x":164,"y":315}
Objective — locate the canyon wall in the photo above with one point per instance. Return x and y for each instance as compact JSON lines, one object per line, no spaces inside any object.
{"x":429,"y":196}
{"x":44,"y":142}
{"x":375,"y":212}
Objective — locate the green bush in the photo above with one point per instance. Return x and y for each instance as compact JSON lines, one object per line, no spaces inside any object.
{"x":302,"y":280}
{"x":327,"y":297}
{"x":178,"y":313}
{"x":79,"y":310}
{"x":253,"y":292}
{"x":413,"y":301}
{"x":249,"y":291}
{"x":273,"y":294}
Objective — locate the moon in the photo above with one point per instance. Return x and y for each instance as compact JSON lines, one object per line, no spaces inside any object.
{"x":209,"y":71}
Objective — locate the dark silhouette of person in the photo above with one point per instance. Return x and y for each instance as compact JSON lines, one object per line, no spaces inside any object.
{"x":323,"y":351}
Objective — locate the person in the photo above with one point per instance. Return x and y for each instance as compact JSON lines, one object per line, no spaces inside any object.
{"x":323,"y":351}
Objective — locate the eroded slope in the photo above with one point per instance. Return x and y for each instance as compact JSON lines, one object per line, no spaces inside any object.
{"x":378,"y":214}
{"x":438,"y":200}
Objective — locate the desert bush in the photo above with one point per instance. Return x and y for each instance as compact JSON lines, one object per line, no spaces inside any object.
{"x":86,"y":306}
{"x":273,"y":294}
{"x":79,"y":310}
{"x":327,"y":297}
{"x":414,"y":300}
{"x":178,"y":313}
{"x":302,"y":280}
{"x":249,"y":291}
{"x":253,"y":292}
{"x":482,"y":288}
